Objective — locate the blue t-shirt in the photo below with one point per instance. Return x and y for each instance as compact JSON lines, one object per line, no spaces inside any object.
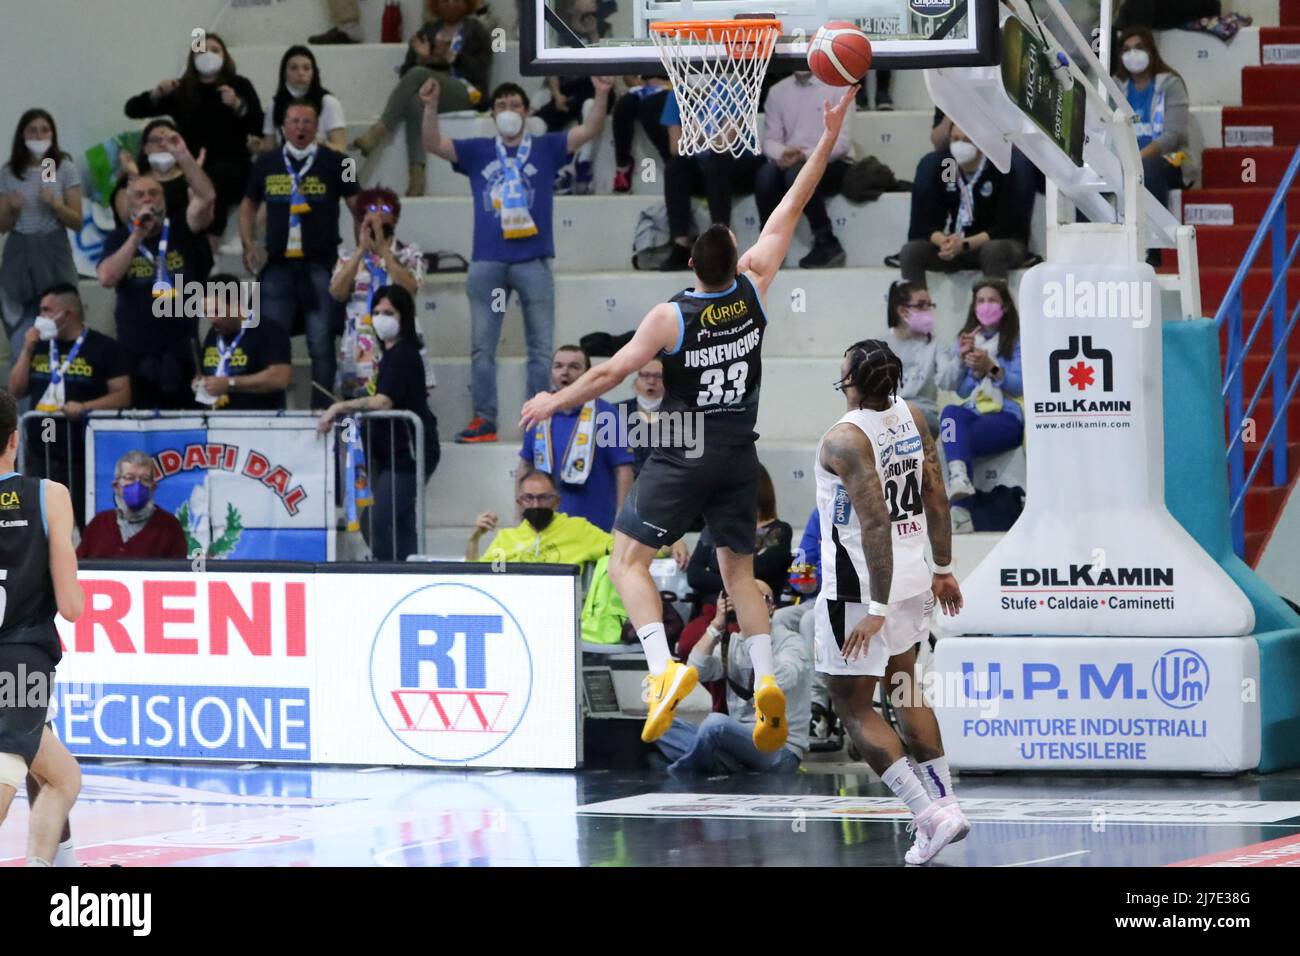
{"x":1141,"y":101}
{"x":597,"y":498}
{"x":477,"y":159}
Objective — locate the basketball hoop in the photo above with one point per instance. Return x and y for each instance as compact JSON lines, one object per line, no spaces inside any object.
{"x":717,"y":69}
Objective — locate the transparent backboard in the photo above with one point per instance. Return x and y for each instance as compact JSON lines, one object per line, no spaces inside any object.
{"x":613,"y":36}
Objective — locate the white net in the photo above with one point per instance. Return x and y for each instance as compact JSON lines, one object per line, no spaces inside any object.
{"x":717,"y":72}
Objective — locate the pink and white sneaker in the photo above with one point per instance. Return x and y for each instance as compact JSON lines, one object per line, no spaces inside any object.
{"x":935,"y":828}
{"x":951,"y":801}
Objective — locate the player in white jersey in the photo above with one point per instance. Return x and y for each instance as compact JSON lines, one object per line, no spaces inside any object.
{"x":880,"y":497}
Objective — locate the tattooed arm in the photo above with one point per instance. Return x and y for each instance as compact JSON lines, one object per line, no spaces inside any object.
{"x":847,"y":454}
{"x":935,"y":499}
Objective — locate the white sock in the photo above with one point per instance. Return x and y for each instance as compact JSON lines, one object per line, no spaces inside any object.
{"x":957,"y":470}
{"x":934,"y":774}
{"x":760,"y":655}
{"x":67,"y":854}
{"x":655,"y":644}
{"x":37,"y":861}
{"x":906,"y":786}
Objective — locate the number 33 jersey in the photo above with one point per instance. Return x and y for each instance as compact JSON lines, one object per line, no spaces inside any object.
{"x":899,"y":457}
{"x":717,"y":365}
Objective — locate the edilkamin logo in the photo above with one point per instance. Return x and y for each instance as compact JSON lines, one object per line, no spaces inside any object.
{"x":1081,"y":374}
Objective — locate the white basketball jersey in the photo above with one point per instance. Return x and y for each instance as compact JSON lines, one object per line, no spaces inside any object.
{"x":899,"y":457}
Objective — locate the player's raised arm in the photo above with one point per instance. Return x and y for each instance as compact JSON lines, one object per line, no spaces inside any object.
{"x":763,"y":259}
{"x":934,"y":497}
{"x":658,"y":331}
{"x":63,"y":557}
{"x":846,"y":453}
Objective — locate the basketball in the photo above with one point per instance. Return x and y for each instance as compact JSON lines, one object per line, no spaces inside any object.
{"x":840,"y":54}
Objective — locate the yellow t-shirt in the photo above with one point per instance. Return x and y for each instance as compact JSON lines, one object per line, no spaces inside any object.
{"x":566,"y":540}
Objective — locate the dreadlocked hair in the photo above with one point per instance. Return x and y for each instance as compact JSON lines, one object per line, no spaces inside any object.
{"x":874,"y":369}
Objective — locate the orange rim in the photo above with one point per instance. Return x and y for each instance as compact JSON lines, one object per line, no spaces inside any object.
{"x":743,"y":38}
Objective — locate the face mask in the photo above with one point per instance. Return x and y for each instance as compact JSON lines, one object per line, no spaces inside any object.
{"x":921,"y":322}
{"x":38,"y":147}
{"x":1136,"y":61}
{"x":539,"y":518}
{"x":135,"y":495}
{"x":650,"y":404}
{"x":208,"y":63}
{"x":988,"y":313}
{"x":46,"y":327}
{"x":963,"y":151}
{"x":162,"y":161}
{"x":509,"y":123}
{"x":297,"y":92}
{"x":386,"y":326}
{"x":299,"y":153}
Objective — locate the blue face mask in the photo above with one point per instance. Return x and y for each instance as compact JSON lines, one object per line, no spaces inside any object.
{"x":135,"y":495}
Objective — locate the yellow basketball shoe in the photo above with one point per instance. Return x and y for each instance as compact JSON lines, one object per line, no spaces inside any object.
{"x":662,"y":694}
{"x":769,"y":704}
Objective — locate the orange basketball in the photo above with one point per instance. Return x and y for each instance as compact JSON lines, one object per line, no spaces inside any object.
{"x":840,"y":54}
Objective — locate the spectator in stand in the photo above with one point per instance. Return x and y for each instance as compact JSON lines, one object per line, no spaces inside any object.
{"x":966,"y":214}
{"x":910,"y":318}
{"x":187,"y":190}
{"x":1159,"y":97}
{"x":454,"y":49}
{"x":40,"y":200}
{"x":644,"y":405}
{"x":66,"y":367}
{"x":984,"y":369}
{"x":1173,"y":14}
{"x":300,"y":80}
{"x":644,"y":103}
{"x":544,"y":535}
{"x":380,"y":258}
{"x":301,"y":186}
{"x":215,"y":110}
{"x":771,"y":548}
{"x":791,"y":131}
{"x":144,"y":261}
{"x":136,"y":528}
{"x":399,"y":386}
{"x":573,"y":98}
{"x":345,"y":23}
{"x":245,"y":363}
{"x":715,"y":175}
{"x":593,"y":477}
{"x":724,"y":742}
{"x":512,"y":177}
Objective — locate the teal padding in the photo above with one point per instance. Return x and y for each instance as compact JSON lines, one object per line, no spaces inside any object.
{"x":1196,"y":493}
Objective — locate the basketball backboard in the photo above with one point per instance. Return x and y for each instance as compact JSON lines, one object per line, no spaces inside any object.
{"x":592,"y":37}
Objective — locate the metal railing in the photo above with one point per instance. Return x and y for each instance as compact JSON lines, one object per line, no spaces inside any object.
{"x":1274,"y":376}
{"x":61,"y":455}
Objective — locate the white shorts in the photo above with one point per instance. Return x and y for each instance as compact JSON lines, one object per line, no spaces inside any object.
{"x":906,"y":624}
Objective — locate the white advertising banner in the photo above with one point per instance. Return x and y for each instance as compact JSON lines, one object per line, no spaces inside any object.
{"x":1095,"y":550}
{"x":398,"y":668}
{"x":1007,"y":703}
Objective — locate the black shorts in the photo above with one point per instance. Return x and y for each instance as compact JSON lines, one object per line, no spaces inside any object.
{"x":721,"y":486}
{"x":23,"y":719}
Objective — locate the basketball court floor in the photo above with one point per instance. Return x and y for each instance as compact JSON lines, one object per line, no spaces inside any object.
{"x":139,"y":814}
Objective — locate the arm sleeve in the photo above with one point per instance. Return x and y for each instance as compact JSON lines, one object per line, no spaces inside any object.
{"x":1174,"y":136}
{"x":811,"y":542}
{"x":253,"y":116}
{"x":256,"y":188}
{"x":928,"y":211}
{"x":707,"y":666}
{"x":774,"y":131}
{"x":143,"y":106}
{"x":671,"y":115}
{"x":702,"y":573}
{"x":529,"y":443}
{"x":948,"y":368}
{"x":176,"y":543}
{"x":470,"y":154}
{"x":1012,"y":380}
{"x":790,"y":660}
{"x":1011,"y":220}
{"x":475,"y":60}
{"x":115,"y":365}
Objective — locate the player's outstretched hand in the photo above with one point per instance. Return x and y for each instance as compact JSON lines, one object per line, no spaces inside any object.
{"x":861,"y":636}
{"x":537,"y":410}
{"x":947,"y":592}
{"x":833,"y":116}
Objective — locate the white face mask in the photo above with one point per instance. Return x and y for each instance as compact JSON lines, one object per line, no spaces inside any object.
{"x":297,"y":92}
{"x":302,"y":153}
{"x":1136,"y":61}
{"x":509,"y":123}
{"x":650,"y":404}
{"x":386,"y":326}
{"x":46,"y":328}
{"x":38,"y":147}
{"x":963,"y":151}
{"x":208,"y":63}
{"x":162,"y":161}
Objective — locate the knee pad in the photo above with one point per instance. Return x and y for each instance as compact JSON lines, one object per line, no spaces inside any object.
{"x":13,"y":770}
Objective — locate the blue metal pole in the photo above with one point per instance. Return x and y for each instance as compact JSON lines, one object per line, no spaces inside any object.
{"x":1280,"y":368}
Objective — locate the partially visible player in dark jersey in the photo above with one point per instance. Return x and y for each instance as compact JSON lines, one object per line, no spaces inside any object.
{"x":710,"y":340}
{"x":38,"y":578}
